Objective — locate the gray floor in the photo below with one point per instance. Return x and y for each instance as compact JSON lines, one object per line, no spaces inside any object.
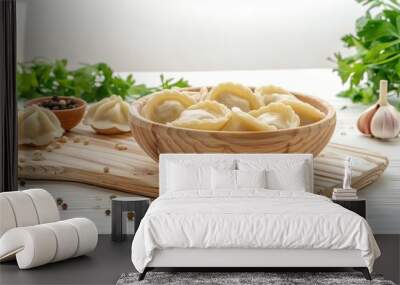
{"x":110,"y":260}
{"x":103,"y":266}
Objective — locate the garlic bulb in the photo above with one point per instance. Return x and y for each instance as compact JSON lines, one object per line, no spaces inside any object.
{"x":381,"y":120}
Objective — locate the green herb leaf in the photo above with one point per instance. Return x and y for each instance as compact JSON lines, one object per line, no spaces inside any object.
{"x":89,"y":82}
{"x":376,"y":52}
{"x":377,"y":29}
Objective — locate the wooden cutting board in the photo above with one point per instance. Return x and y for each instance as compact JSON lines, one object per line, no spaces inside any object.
{"x":100,"y":163}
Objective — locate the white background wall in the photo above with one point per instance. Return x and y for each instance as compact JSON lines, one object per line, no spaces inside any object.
{"x":180,"y":35}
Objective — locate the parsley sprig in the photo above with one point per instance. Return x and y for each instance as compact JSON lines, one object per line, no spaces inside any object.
{"x":376,"y":56}
{"x":91,"y":82}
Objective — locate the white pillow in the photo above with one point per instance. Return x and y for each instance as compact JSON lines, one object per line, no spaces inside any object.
{"x":294,"y":178}
{"x":290,"y":175}
{"x":183,"y":178}
{"x":231,"y":180}
{"x":251,"y":178}
{"x":223,"y":179}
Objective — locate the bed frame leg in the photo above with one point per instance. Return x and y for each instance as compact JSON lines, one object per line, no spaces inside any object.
{"x":364,"y":271}
{"x":143,"y":274}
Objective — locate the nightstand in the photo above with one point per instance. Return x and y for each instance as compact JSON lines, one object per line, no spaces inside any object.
{"x":357,"y":206}
{"x":138,"y":205}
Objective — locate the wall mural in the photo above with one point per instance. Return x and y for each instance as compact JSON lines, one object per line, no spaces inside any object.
{"x":94,"y":126}
{"x":104,"y":130}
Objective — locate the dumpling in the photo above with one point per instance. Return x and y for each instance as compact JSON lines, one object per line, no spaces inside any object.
{"x":198,"y":96}
{"x":277,"y":114}
{"x":109,"y":116}
{"x":166,"y":106}
{"x":271,"y":89}
{"x":205,"y":115}
{"x":242,"y":121}
{"x":38,"y":126}
{"x":307,"y":112}
{"x":235,"y":95}
{"x":272,"y":93}
{"x":203,"y":93}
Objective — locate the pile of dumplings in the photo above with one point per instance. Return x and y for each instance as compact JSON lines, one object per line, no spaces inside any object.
{"x":230,"y":107}
{"x":226,"y":107}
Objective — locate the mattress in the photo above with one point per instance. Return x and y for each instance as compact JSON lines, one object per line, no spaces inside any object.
{"x":250,"y":219}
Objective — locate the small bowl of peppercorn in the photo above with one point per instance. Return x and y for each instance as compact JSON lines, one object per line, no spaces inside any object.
{"x":69,"y":110}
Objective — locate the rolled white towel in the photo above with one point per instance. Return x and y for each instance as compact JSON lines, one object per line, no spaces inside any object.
{"x":37,"y":245}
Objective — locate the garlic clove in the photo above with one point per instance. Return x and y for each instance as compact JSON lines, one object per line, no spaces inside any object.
{"x":385,"y":123}
{"x":381,"y":120}
{"x":364,"y":121}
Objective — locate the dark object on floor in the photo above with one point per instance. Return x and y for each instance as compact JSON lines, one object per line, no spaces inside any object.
{"x":364,"y":271}
{"x":121,"y":204}
{"x":357,"y":206}
{"x":231,"y":278}
{"x":143,"y":274}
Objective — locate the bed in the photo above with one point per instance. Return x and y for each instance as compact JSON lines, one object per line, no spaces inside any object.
{"x":246,"y":211}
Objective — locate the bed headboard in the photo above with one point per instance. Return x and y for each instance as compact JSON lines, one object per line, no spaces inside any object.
{"x":212,"y":159}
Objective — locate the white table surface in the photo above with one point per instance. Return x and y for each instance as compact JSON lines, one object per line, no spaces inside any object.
{"x":383,"y":197}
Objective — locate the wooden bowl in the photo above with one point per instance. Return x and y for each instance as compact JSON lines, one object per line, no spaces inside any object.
{"x":155,"y":138}
{"x":69,"y":118}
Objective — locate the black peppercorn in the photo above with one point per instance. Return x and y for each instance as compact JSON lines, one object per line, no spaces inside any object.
{"x":55,"y":103}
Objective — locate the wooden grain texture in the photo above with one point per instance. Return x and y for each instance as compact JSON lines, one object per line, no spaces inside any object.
{"x":133,"y":171}
{"x":129,"y":170}
{"x":157,"y":138}
{"x":328,"y":167}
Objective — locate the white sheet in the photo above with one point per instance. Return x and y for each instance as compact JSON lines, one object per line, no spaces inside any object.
{"x":251,"y":219}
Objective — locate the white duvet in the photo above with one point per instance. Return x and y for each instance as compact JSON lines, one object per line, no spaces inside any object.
{"x":250,"y":219}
